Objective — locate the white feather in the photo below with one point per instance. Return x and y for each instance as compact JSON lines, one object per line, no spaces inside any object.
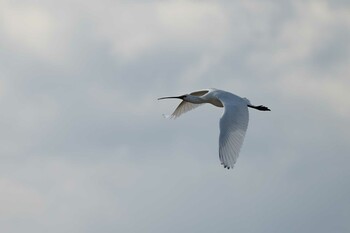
{"x":233,"y":123}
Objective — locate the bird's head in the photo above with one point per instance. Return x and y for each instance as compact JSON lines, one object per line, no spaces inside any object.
{"x":184,"y":97}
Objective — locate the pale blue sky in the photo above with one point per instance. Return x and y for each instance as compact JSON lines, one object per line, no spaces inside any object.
{"x":84,"y":146}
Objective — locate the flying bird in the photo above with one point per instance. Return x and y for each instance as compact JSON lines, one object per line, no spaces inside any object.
{"x":233,"y":123}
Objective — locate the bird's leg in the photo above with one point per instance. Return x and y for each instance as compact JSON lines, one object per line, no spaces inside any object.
{"x":260,"y":107}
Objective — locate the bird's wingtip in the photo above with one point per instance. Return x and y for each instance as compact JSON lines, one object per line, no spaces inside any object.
{"x":228,"y":167}
{"x":168,"y":116}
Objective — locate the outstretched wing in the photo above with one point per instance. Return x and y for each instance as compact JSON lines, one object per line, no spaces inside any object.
{"x":199,"y":93}
{"x":187,"y":106}
{"x":183,"y":108}
{"x":233,"y":126}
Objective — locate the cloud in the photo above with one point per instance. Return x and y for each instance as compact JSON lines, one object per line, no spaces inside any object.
{"x":33,"y":29}
{"x":84,"y":147}
{"x":19,"y":200}
{"x":134,"y":29}
{"x":326,"y":92}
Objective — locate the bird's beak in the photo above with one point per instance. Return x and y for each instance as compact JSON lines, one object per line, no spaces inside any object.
{"x":172,"y":97}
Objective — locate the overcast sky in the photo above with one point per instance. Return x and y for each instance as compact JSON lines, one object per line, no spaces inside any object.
{"x":84,"y":146}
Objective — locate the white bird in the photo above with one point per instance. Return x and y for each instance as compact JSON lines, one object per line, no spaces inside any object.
{"x":233,"y":123}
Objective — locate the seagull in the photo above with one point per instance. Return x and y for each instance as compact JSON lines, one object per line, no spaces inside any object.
{"x":233,"y":123}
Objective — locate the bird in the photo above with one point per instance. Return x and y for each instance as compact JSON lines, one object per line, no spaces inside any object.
{"x":233,"y":123}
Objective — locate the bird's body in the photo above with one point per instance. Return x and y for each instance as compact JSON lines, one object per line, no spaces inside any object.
{"x":233,"y":123}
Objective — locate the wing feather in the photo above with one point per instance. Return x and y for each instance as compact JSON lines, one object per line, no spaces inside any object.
{"x":186,"y":106}
{"x":233,"y":126}
{"x":199,"y":93}
{"x":183,"y":108}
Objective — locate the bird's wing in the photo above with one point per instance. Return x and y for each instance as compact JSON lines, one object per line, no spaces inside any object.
{"x":199,"y":93}
{"x":186,"y":106}
{"x":233,"y":125}
{"x":183,"y":108}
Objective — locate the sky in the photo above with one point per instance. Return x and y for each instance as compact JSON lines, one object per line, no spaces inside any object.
{"x":84,"y":147}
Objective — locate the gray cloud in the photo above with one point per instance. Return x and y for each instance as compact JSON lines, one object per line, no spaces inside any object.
{"x":84,"y":147}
